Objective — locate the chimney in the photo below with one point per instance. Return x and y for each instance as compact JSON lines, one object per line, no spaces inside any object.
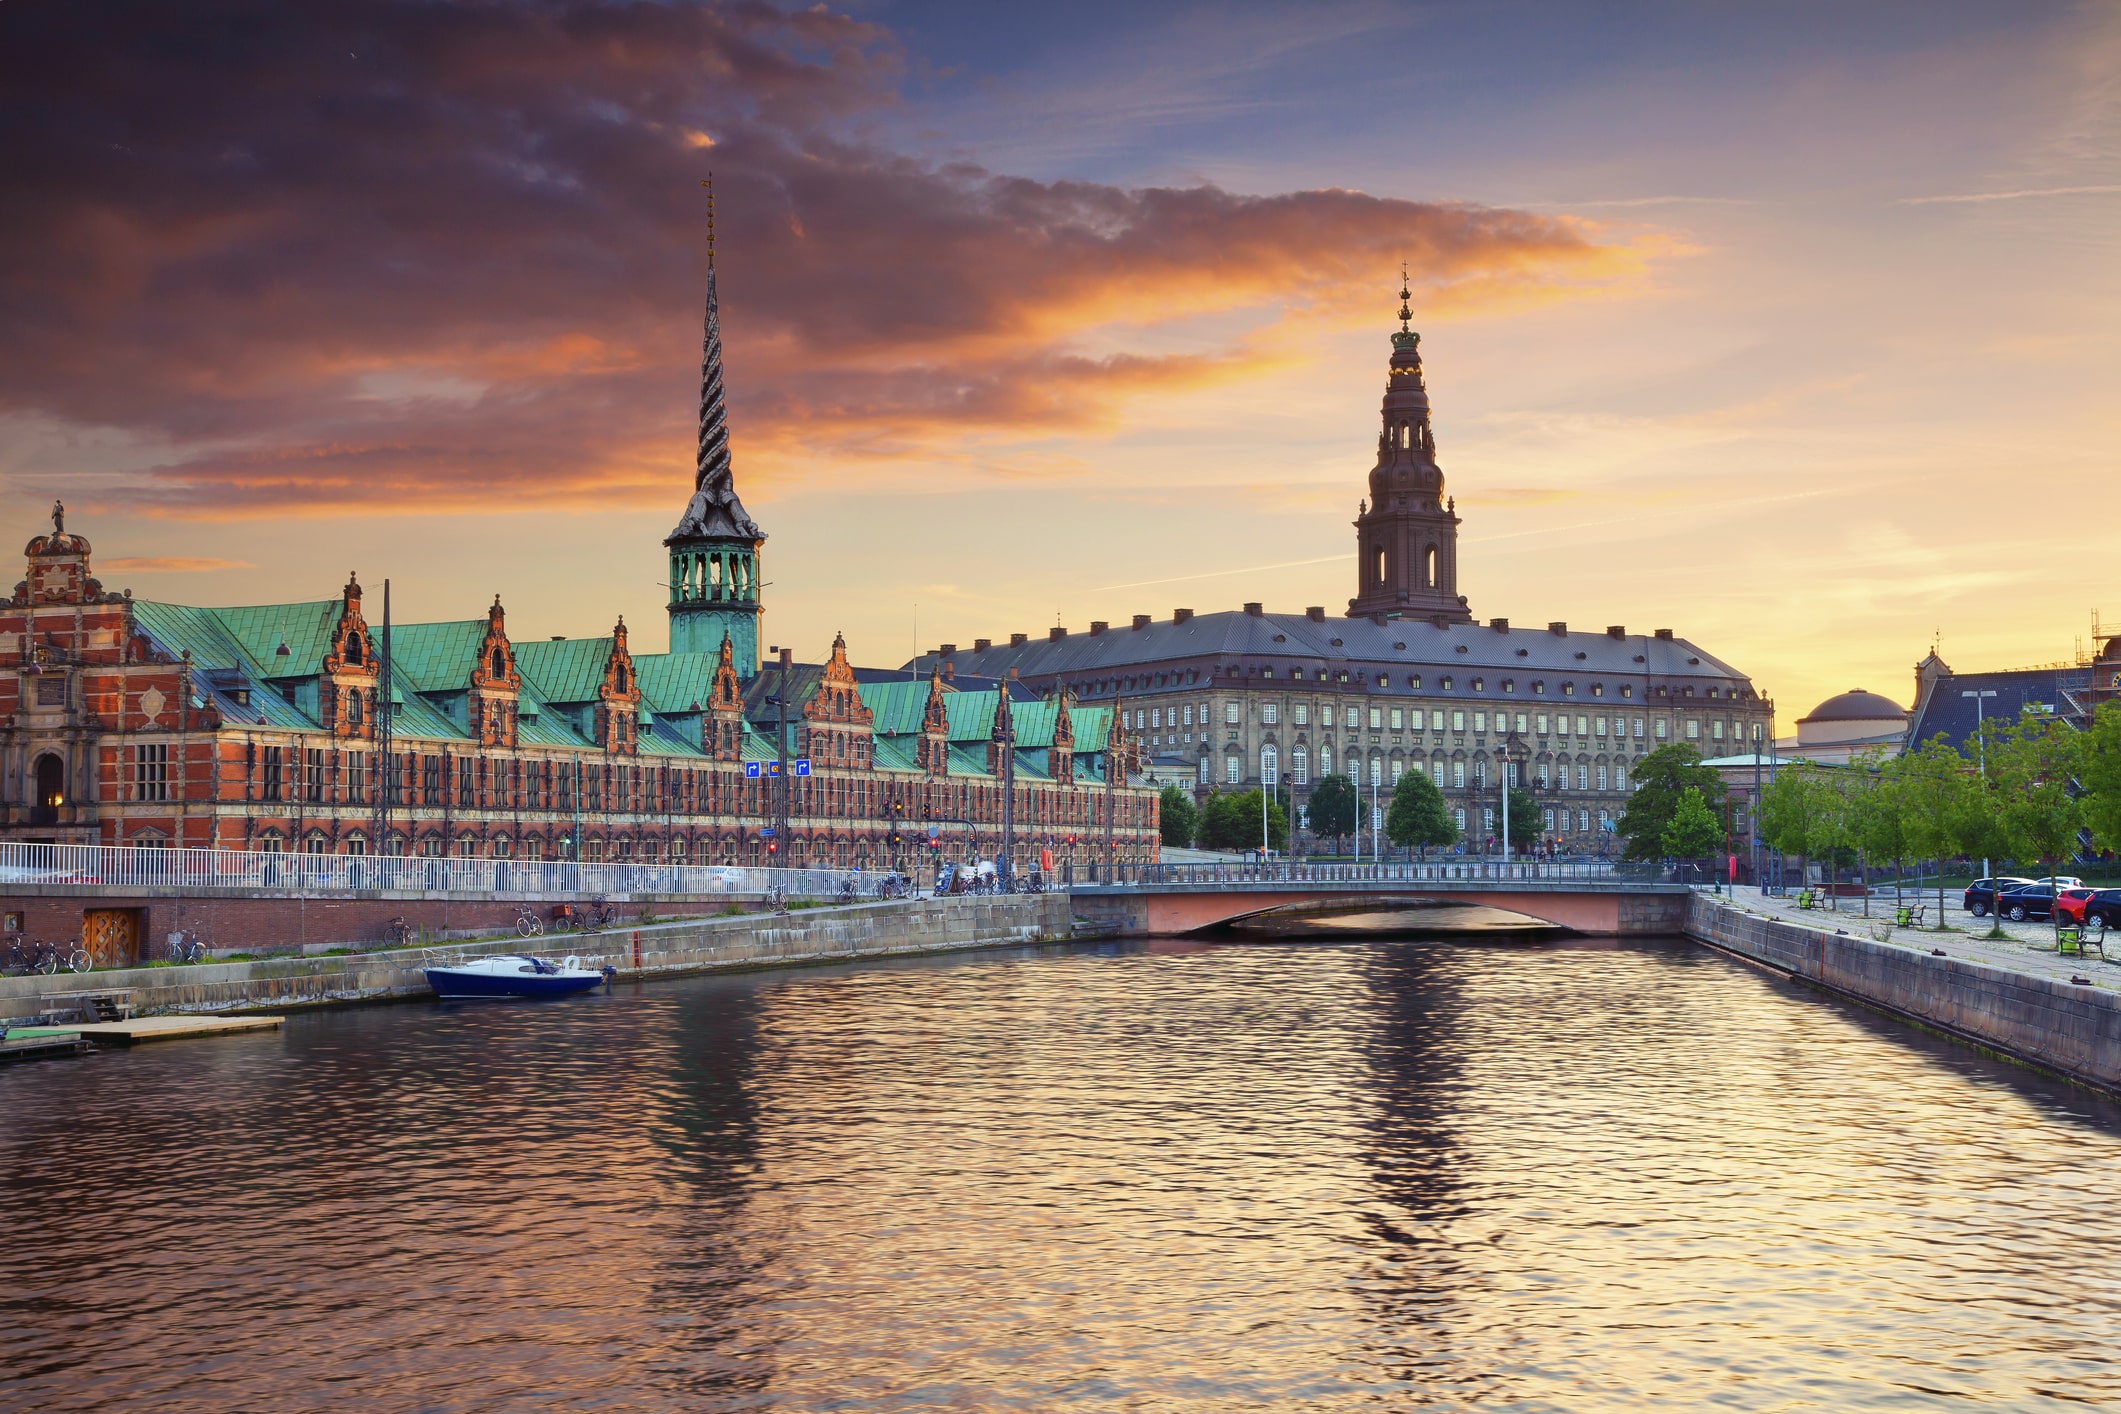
{"x":1557,"y":627}
{"x":949,"y":672}
{"x":1141,"y":621}
{"x":1499,"y":625}
{"x":1254,"y":610}
{"x":1616,"y":631}
{"x":1316,"y":614}
{"x":1098,"y":626}
{"x":1179,"y":616}
{"x":1018,"y":640}
{"x":981,"y":645}
{"x":947,"y":649}
{"x":1665,"y":633}
{"x":1053,"y":635}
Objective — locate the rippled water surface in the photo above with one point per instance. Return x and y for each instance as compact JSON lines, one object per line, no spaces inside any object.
{"x":1376,"y":1176}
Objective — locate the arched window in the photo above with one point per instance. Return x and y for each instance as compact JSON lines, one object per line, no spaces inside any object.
{"x":1380,"y":566}
{"x":51,"y":782}
{"x":1325,"y":760}
{"x":1428,"y":567}
{"x":1377,"y":771}
{"x":499,"y":661}
{"x":353,"y":708}
{"x":1269,"y":766}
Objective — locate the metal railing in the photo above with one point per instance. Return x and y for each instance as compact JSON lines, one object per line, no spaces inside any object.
{"x":1435,"y":871}
{"x":264,"y":871}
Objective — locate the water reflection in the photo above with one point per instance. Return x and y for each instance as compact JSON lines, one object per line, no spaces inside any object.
{"x":1173,"y":1177}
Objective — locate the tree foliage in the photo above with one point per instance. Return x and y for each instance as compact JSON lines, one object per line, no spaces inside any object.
{"x":2032,"y":774}
{"x":1177,"y":817}
{"x":1232,"y":822}
{"x":1695,"y":830}
{"x":1332,"y":808}
{"x":1525,"y":828}
{"x":1662,"y":779}
{"x":2100,"y":776}
{"x":1417,"y":815}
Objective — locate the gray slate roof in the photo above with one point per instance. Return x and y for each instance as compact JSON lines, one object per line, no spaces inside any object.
{"x":1224,"y":639}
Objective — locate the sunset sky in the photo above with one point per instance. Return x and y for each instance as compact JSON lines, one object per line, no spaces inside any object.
{"x":1795,"y":328}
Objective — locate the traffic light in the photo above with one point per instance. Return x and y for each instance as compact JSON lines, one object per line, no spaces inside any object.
{"x":773,"y":847}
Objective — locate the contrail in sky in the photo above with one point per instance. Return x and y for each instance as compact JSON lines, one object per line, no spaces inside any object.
{"x":2007,"y":195}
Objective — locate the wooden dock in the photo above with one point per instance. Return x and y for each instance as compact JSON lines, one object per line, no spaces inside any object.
{"x":142,"y":1029}
{"x":45,"y":1044}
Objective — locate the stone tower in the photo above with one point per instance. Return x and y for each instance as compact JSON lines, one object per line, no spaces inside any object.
{"x":714,"y":551}
{"x":1406,"y":534}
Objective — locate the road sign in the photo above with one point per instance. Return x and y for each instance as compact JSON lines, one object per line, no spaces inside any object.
{"x":802,"y":766}
{"x":766,"y":832}
{"x":751,"y":770}
{"x":773,"y":768}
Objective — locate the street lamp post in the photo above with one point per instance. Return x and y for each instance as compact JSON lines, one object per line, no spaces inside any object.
{"x":1981,"y":743}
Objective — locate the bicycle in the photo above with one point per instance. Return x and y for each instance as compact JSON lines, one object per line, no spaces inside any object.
{"x":397,"y":933}
{"x":595,"y":914}
{"x":24,"y":956}
{"x":777,"y":898}
{"x":850,"y":890}
{"x":528,"y":924}
{"x":184,"y":946}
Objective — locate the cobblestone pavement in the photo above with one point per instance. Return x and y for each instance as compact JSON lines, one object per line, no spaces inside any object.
{"x":2025,"y":947}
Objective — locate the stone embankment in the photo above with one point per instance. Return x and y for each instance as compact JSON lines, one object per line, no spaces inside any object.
{"x":2071,"y":1028}
{"x":671,"y":949}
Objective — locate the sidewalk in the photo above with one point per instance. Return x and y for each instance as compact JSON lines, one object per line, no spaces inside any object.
{"x":2027,"y":948}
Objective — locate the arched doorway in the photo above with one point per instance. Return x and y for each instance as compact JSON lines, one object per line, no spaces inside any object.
{"x":51,"y":790}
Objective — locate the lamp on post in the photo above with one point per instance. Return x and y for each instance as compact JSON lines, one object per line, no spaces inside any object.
{"x":1981,"y":742}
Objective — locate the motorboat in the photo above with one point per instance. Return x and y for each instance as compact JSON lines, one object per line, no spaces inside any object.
{"x":511,"y":975}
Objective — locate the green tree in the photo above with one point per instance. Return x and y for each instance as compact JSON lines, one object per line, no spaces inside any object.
{"x":1695,"y":830}
{"x":1934,"y":783}
{"x":1661,"y":779}
{"x":1177,"y":816}
{"x":2032,"y":767}
{"x":1417,"y":815}
{"x":1796,"y":813}
{"x":1525,"y":828}
{"x":1232,"y":822}
{"x":1331,"y":811}
{"x":2100,"y":775}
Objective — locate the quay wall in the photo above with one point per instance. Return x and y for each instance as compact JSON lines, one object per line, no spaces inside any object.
{"x":662,"y":950}
{"x":2072,"y":1030}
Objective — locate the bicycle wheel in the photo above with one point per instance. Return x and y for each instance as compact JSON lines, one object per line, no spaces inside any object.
{"x":79,"y":961}
{"x":537,"y":925}
{"x":47,"y":963}
{"x":525,"y":926}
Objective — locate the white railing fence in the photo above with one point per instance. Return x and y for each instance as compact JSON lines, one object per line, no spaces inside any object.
{"x":240,"y":871}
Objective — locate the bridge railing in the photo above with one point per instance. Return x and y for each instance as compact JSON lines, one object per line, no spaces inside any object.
{"x":120,"y":867}
{"x":1435,"y":871}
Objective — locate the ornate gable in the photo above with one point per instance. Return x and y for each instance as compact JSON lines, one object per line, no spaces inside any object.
{"x":1060,"y":757}
{"x":346,"y":696}
{"x":722,"y":728}
{"x":495,"y":683}
{"x":618,"y":698}
{"x":933,"y":751}
{"x":837,"y":698}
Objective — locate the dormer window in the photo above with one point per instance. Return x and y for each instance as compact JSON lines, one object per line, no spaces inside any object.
{"x":499,"y":666}
{"x":353,"y":709}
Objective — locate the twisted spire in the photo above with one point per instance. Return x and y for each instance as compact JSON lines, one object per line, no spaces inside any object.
{"x":714,"y":509}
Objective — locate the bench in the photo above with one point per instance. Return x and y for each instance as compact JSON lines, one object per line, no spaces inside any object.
{"x":1909,"y":915}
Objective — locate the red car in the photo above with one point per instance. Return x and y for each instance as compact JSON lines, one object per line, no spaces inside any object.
{"x":2069,"y":904}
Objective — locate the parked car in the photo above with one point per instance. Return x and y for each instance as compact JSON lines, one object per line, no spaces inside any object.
{"x":2071,"y":902}
{"x":2100,"y":910}
{"x":1981,"y":894}
{"x":2033,"y":900}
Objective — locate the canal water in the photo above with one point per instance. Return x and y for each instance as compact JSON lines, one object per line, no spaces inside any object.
{"x":1396,"y":1174}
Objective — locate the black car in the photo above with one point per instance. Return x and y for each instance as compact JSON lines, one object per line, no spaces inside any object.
{"x":1981,"y":894}
{"x":2035,"y":900}
{"x":2103,"y":909}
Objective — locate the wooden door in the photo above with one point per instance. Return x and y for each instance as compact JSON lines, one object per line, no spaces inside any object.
{"x":112,"y":936}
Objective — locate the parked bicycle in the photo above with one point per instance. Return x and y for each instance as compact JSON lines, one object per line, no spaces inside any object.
{"x":24,"y":956}
{"x":777,"y":898}
{"x":595,"y":914}
{"x":850,"y":889}
{"x":184,"y":946}
{"x":398,"y":933}
{"x":893,"y":885}
{"x":528,"y":924}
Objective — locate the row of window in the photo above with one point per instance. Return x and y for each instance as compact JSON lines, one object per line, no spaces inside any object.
{"x":1608,"y":777}
{"x":1400,"y":719}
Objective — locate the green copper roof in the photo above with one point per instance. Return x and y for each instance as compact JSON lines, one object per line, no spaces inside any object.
{"x":435,"y":657}
{"x":897,"y":706}
{"x":674,"y":682}
{"x":304,"y":628}
{"x":564,"y":670}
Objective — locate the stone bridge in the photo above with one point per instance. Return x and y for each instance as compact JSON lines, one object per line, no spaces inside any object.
{"x":1605,"y":900}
